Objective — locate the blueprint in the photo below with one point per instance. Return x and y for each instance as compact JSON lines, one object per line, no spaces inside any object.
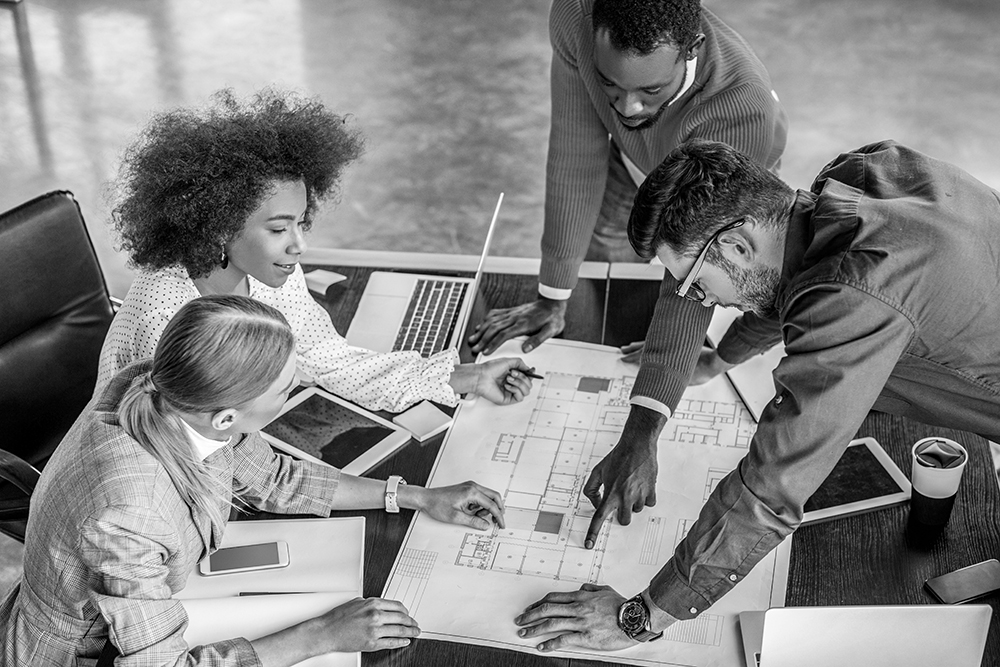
{"x":467,"y":586}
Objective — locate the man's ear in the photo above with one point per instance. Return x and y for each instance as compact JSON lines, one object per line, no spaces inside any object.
{"x":692,"y":50}
{"x":224,"y":419}
{"x":737,"y":248}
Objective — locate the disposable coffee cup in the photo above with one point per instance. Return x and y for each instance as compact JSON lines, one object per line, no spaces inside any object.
{"x":938,"y":464}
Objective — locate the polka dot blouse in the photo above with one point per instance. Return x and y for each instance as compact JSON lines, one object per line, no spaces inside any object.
{"x":378,"y":381}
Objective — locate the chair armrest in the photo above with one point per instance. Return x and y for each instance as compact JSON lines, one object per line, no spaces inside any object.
{"x":18,"y":472}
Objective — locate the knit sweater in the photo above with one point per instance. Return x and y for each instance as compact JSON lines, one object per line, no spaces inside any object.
{"x":731,"y":100}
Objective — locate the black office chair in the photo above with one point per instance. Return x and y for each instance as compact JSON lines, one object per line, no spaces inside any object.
{"x":55,"y":311}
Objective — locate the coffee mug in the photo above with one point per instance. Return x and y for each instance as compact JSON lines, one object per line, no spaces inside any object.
{"x":938,"y":464}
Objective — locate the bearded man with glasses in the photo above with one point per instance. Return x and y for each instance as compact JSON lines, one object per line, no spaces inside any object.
{"x":884,"y":282}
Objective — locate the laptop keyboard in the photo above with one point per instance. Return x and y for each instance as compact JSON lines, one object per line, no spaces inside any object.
{"x":431,"y":316}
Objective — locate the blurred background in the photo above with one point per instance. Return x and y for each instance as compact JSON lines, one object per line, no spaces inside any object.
{"x":453,"y":98}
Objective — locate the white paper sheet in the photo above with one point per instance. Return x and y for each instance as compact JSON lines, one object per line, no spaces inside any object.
{"x":323,"y":555}
{"x":325,"y":569}
{"x":467,"y":586}
{"x":217,"y":619}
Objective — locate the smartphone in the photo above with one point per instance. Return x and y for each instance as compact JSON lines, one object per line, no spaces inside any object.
{"x":966,"y":584}
{"x":247,"y":558}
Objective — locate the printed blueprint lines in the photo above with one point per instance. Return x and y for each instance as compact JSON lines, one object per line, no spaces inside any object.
{"x":706,"y":422}
{"x":650,"y":554}
{"x":412,"y":573}
{"x":573,"y":425}
{"x":712,"y":479}
{"x":705,"y":630}
{"x":537,"y":544}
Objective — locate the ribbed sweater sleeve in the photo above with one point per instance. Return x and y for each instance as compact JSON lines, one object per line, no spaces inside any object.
{"x":576,"y":172}
{"x":745,"y":118}
{"x":673,"y":341}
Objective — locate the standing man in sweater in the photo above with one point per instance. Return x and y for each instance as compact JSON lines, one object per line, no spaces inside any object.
{"x":632,"y":80}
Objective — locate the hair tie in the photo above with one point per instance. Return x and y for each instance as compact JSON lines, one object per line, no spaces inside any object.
{"x":147,"y":385}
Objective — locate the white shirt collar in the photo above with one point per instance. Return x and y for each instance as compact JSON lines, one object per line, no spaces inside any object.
{"x":203,"y":447}
{"x":690,"y":69}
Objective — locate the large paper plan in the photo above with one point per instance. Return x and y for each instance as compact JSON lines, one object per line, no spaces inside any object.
{"x":467,"y":586}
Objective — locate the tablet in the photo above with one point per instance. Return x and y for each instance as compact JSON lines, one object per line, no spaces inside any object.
{"x":864,"y":479}
{"x":317,"y":426}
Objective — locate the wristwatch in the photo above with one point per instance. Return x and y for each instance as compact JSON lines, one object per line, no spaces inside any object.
{"x":633,"y":619}
{"x":391,"y":486}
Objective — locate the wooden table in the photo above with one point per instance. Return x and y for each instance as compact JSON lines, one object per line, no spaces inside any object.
{"x":866,"y":559}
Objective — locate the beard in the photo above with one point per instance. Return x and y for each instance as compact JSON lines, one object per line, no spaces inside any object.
{"x":647,"y":121}
{"x":756,"y":288}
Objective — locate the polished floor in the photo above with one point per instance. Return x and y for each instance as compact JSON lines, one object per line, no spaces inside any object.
{"x":453,"y":98}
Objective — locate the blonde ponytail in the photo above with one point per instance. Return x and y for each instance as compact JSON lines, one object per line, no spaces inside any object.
{"x":160,"y":433}
{"x":217,"y":352}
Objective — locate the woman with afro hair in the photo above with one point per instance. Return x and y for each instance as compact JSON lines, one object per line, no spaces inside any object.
{"x":218,"y":201}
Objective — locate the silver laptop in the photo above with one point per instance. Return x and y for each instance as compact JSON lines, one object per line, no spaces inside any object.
{"x":411,"y":311}
{"x":872,"y":636}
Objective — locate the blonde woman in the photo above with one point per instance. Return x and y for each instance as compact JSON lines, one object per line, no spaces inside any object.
{"x":141,"y":489}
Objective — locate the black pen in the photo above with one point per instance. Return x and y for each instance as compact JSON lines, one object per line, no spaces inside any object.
{"x":532,"y":374}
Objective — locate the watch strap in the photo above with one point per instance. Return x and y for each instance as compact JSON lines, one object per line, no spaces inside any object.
{"x":391,"y":489}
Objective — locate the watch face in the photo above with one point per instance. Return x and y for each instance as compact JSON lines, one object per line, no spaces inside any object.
{"x":633,"y":617}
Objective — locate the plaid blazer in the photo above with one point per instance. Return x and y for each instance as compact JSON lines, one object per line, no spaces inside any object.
{"x":109,"y":540}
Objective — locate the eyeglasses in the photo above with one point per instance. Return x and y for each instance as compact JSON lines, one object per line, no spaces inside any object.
{"x":688,"y":289}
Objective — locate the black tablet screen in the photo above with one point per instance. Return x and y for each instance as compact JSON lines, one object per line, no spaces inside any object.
{"x":327,"y":430}
{"x":857,"y":476}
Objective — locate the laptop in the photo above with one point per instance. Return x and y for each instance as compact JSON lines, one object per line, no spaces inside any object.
{"x":873,"y":636}
{"x":411,"y":311}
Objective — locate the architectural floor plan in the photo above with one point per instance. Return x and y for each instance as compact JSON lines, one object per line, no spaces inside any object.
{"x":538,"y":454}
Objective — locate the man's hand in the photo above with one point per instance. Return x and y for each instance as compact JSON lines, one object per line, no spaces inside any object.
{"x":709,"y":365}
{"x":541,"y":319}
{"x":587,"y":618}
{"x":632,"y":353}
{"x":627,"y":473}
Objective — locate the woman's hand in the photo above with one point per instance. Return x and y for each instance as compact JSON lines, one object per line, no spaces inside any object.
{"x":466,"y":504}
{"x":501,"y":381}
{"x":371,"y":624}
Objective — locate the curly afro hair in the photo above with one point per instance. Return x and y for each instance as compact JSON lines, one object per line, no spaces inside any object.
{"x":191,"y":179}
{"x":642,"y":26}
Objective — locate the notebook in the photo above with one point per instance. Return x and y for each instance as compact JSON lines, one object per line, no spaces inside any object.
{"x":873,"y":636}
{"x":412,"y":311}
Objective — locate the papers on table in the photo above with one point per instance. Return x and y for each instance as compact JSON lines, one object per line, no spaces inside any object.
{"x":325,"y":568}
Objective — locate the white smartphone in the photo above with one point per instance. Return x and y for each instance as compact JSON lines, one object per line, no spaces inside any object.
{"x":246,"y":558}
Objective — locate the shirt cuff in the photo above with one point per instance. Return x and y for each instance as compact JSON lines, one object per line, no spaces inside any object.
{"x":659,"y":620}
{"x":440,"y":366}
{"x":651,"y":404}
{"x":554,"y":293}
{"x":244,"y":649}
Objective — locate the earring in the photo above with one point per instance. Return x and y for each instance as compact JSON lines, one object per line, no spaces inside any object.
{"x":224,"y":260}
